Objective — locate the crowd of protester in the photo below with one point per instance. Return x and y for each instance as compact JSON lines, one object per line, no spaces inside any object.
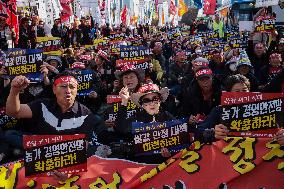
{"x":176,"y":85}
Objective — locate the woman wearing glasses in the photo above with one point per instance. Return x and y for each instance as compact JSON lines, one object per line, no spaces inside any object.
{"x":149,"y":98}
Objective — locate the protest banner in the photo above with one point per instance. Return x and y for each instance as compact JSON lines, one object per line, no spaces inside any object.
{"x":102,"y":43}
{"x":231,"y":34}
{"x":207,"y":53}
{"x":195,"y":40}
{"x":49,"y":45}
{"x":265,"y":24}
{"x":85,"y":82}
{"x":214,"y":43}
{"x":134,"y":52}
{"x":134,"y":64}
{"x":252,"y":114}
{"x":173,"y":34}
{"x":117,"y":36}
{"x":234,"y":163}
{"x":150,"y":138}
{"x":203,"y":35}
{"x":89,"y":47}
{"x":281,"y":35}
{"x":115,"y":47}
{"x":212,"y":35}
{"x":6,"y":122}
{"x":113,"y":99}
{"x":236,"y":43}
{"x":224,"y":46}
{"x":24,"y":62}
{"x":114,"y":105}
{"x":136,"y":42}
{"x":45,"y":153}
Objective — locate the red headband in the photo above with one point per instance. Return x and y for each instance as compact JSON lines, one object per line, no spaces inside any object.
{"x":65,"y":79}
{"x":203,"y":72}
{"x":85,"y":57}
{"x":80,"y":65}
{"x":200,"y":63}
{"x":275,"y":55}
{"x":148,"y":87}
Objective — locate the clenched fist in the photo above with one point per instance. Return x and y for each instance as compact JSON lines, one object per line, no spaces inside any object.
{"x":19,"y":83}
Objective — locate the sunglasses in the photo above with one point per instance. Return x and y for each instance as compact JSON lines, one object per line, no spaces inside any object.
{"x":148,"y":100}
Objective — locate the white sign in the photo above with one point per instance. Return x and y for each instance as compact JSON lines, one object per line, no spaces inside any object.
{"x":246,"y":26}
{"x":265,"y":3}
{"x":117,"y":12}
{"x":56,"y":8}
{"x":41,"y":9}
{"x":49,"y":14}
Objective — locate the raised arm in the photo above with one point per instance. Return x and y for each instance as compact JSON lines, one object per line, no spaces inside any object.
{"x":14,"y":107}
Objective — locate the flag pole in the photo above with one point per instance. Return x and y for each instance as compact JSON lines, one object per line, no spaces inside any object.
{"x":11,"y":22}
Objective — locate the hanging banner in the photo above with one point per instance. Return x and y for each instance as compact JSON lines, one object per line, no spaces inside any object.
{"x":209,"y":7}
{"x":49,"y":45}
{"x":224,"y":164}
{"x":103,"y":7}
{"x":66,"y":11}
{"x":45,"y":153}
{"x":265,"y":24}
{"x":41,"y":7}
{"x":117,"y":12}
{"x":150,"y":138}
{"x":265,"y":3}
{"x":50,"y":16}
{"x":57,"y":8}
{"x":24,"y":62}
{"x":252,"y":114}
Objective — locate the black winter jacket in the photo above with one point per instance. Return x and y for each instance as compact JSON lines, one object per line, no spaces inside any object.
{"x":194,"y":103}
{"x":124,"y":126}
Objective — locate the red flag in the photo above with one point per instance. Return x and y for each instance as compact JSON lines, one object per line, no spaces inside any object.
{"x":123,"y":15}
{"x":209,"y":7}
{"x":67,"y":10}
{"x":10,"y":10}
{"x":173,"y":9}
{"x":102,"y":5}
